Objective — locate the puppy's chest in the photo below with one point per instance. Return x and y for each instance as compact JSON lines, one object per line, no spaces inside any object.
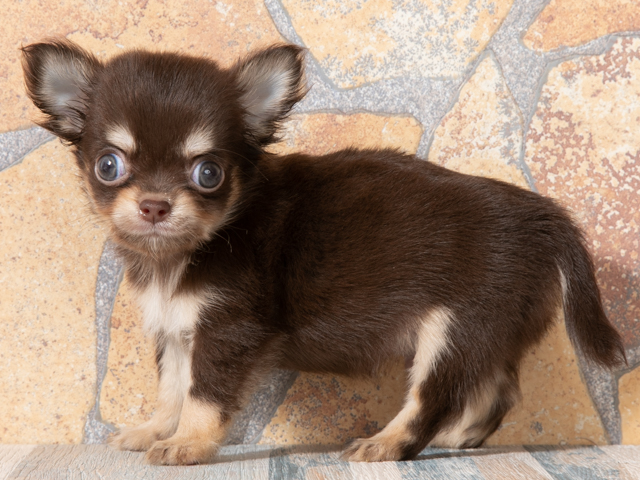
{"x":169,"y":313}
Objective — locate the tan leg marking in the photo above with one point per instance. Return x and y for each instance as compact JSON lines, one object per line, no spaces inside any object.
{"x":175,"y":380}
{"x":387,"y":445}
{"x":199,"y":435}
{"x":471,"y":427}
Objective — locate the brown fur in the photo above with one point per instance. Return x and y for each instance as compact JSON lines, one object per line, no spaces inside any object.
{"x":334,"y":263}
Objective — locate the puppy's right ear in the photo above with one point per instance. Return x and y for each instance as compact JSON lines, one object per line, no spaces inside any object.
{"x":58,"y":75}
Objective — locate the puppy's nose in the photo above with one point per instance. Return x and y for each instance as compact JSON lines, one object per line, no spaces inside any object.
{"x":154,"y":211}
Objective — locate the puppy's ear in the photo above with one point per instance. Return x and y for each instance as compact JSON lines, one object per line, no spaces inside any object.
{"x":58,"y":75}
{"x":270,"y":82}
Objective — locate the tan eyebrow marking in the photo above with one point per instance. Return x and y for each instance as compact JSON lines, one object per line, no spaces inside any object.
{"x":120,"y":136}
{"x":198,"y":142}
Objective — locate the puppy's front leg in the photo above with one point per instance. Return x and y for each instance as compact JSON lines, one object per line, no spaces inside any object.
{"x":202,"y":429}
{"x":222,"y":366}
{"x":173,"y":357}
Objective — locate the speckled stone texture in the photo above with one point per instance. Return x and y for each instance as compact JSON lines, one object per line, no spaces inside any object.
{"x":570,"y":23}
{"x":482,"y":133}
{"x":324,"y":409}
{"x":365,"y":41}
{"x":48,"y":265}
{"x":541,"y":93}
{"x":583,"y":149}
{"x":629,"y":394}
{"x":555,"y":408}
{"x":322,"y":133}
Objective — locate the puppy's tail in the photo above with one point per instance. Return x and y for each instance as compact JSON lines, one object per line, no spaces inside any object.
{"x":588,"y":327}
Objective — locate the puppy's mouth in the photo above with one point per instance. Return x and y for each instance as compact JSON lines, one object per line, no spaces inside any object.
{"x":144,"y":228}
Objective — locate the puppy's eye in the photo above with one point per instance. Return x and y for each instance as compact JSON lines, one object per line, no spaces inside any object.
{"x":110,"y":168}
{"x":207,"y":175}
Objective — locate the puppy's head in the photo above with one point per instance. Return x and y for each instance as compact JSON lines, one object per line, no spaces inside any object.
{"x":167,"y":144}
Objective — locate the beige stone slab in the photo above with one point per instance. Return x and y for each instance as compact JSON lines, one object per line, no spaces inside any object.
{"x":220,"y":29}
{"x":370,"y":40}
{"x":568,"y":23}
{"x":629,"y":405}
{"x":130,"y":387}
{"x":555,"y":408}
{"x":482,"y":133}
{"x":320,"y":133}
{"x":583,"y":149}
{"x":49,"y":259}
{"x":329,"y":410}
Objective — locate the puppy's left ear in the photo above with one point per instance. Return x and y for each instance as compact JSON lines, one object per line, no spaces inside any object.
{"x":58,"y":75}
{"x":270,"y":82}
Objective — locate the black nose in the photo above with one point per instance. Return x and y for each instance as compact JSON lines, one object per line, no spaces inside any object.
{"x":154,"y":211}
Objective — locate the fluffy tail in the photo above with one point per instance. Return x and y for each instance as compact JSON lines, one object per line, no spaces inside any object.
{"x":587,"y":325}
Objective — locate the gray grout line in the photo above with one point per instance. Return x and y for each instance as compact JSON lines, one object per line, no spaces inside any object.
{"x":14,"y":146}
{"x":256,"y":415}
{"x":110,"y":272}
{"x":603,"y":389}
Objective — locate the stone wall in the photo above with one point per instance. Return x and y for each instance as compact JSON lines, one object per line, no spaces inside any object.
{"x":543,"y":94}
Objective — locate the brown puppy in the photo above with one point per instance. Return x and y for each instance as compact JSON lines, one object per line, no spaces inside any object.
{"x":245,"y":261}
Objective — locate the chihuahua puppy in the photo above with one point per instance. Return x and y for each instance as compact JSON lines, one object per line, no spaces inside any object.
{"x":244,"y":261}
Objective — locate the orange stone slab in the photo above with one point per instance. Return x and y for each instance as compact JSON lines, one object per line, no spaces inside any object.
{"x":583,"y":149}
{"x":325,"y":409}
{"x":482,"y":133}
{"x":568,"y":23}
{"x":555,"y":408}
{"x":629,"y":405}
{"x":49,"y":258}
{"x":220,"y":30}
{"x":321,"y":133}
{"x":129,"y":389}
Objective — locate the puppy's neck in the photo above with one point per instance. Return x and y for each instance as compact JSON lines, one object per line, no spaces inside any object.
{"x":143,"y":270}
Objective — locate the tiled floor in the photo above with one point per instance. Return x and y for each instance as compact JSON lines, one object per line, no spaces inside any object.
{"x":256,"y":462}
{"x":543,"y":94}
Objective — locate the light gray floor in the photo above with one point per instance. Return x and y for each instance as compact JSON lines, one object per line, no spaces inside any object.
{"x":52,"y":462}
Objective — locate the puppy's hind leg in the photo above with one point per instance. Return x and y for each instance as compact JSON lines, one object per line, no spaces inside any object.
{"x":417,"y":423}
{"x":483,"y":412}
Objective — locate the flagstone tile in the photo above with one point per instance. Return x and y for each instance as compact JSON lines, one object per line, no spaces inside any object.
{"x":583,"y":149}
{"x":568,"y":23}
{"x":327,"y":409}
{"x":130,"y":386}
{"x":370,"y":40}
{"x":222,"y":30}
{"x":629,"y":398}
{"x":320,"y":133}
{"x":48,"y":267}
{"x":482,"y":133}
{"x":555,"y":408}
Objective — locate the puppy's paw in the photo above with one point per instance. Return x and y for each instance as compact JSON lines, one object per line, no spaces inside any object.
{"x":371,"y":450}
{"x":138,"y":438}
{"x":181,"y":451}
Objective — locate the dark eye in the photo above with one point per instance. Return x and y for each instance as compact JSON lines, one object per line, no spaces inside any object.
{"x":110,"y":168}
{"x":208,"y":175}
